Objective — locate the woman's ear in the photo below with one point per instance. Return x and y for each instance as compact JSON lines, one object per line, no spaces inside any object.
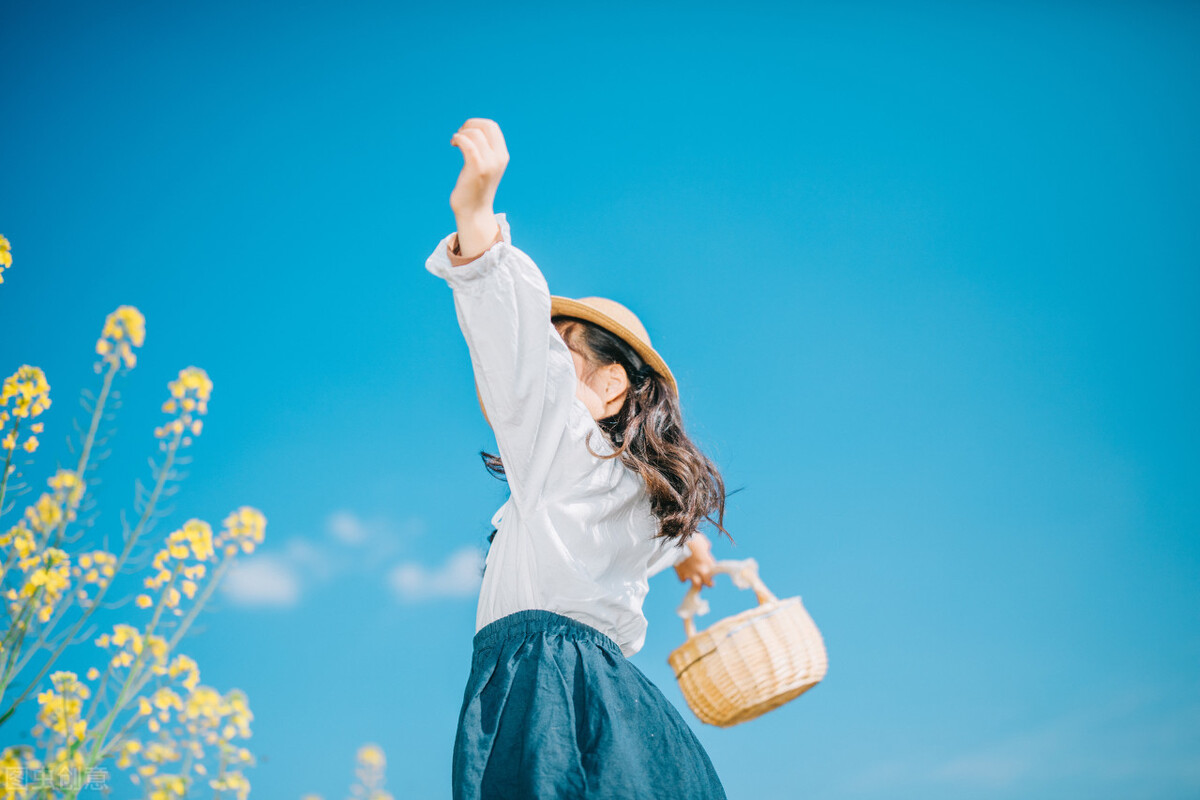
{"x":616,"y":382}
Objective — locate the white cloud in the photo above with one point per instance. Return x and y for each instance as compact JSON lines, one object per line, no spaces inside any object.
{"x":262,"y":580}
{"x":377,"y":538}
{"x":347,"y":527}
{"x":459,"y":576}
{"x":352,"y":547}
{"x":313,"y":560}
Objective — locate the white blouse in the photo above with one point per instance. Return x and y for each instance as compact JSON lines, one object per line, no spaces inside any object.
{"x":575,"y":535}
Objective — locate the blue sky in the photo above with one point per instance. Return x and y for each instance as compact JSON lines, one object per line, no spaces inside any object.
{"x":926,"y":273}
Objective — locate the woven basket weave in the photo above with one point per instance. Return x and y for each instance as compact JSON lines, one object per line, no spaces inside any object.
{"x":745,"y":665}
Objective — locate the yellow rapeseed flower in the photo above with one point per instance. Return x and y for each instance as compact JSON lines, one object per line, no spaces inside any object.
{"x":129,"y":748}
{"x":61,"y":709}
{"x":164,"y":700}
{"x":159,"y":649}
{"x":67,"y":483}
{"x":28,"y":385}
{"x":190,"y":393}
{"x":370,"y":772}
{"x":5,"y":256}
{"x":232,"y":782}
{"x":131,"y":643}
{"x":206,"y":705}
{"x":124,"y":329}
{"x":94,"y":568}
{"x":187,"y":667}
{"x":244,"y":528}
{"x":168,"y":787}
{"x":193,"y":541}
{"x":24,"y":542}
{"x":47,"y":578}
{"x":45,"y":514}
{"x":371,"y":755}
{"x":16,"y":763}
{"x":29,"y":395}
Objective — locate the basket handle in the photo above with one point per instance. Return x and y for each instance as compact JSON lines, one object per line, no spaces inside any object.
{"x":745,"y":576}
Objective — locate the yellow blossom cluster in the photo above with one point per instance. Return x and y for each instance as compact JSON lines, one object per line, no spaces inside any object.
{"x":68,"y":490}
{"x":124,"y":329}
{"x":130,"y":643}
{"x":186,"y":667}
{"x":60,"y":714}
{"x":205,"y":718}
{"x":52,"y":508}
{"x":47,"y":578}
{"x":233,"y":781}
{"x":168,"y":787}
{"x":19,"y":540}
{"x":371,"y":755}
{"x":48,"y":570}
{"x":29,"y":394}
{"x":244,"y":529}
{"x":5,"y":256}
{"x":190,"y":393}
{"x":16,"y":763}
{"x":193,"y":541}
{"x":370,"y":768}
{"x":61,"y":708}
{"x":93,"y":568}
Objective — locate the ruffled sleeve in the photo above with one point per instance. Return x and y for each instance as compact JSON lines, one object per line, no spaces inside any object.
{"x":523,"y":369}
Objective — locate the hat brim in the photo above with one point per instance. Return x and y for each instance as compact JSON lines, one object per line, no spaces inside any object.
{"x":573,"y":308}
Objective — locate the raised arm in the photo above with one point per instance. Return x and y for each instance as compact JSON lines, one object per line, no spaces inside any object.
{"x":523,"y":370}
{"x":485,"y":157}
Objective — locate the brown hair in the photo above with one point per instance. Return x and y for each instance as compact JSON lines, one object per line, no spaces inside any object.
{"x":647,"y":434}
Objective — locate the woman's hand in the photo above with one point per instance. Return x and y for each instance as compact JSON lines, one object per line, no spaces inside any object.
{"x":485,"y":156}
{"x":697,"y":568}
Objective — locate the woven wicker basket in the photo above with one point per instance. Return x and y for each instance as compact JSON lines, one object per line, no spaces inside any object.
{"x":745,"y":665}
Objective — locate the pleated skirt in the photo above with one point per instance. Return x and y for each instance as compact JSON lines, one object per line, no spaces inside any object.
{"x":553,"y":709}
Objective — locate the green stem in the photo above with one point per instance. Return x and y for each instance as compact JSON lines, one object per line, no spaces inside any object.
{"x":21,"y":626}
{"x":44,"y":632}
{"x":8,"y":462}
{"x":89,"y":440}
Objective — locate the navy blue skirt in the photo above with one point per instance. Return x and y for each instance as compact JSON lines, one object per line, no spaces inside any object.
{"x":552,"y":709}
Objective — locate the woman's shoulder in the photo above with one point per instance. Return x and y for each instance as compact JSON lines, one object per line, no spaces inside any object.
{"x":581,"y":460}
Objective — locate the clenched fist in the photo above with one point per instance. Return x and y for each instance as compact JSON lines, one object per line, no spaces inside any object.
{"x":485,"y":156}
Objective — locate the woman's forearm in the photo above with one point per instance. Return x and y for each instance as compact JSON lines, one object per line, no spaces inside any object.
{"x":476,"y":231}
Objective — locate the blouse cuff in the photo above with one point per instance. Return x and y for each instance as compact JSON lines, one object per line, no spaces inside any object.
{"x":457,"y":259}
{"x":468,"y":274}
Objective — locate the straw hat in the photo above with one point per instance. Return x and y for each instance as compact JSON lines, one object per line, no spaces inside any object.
{"x":616,"y":319}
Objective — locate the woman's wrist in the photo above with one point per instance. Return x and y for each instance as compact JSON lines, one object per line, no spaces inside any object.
{"x":476,"y":232}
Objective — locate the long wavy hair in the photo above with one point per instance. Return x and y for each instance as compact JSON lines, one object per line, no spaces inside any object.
{"x":647,"y":434}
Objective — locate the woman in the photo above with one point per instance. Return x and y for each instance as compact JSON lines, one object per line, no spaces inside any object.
{"x":606,"y":490}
